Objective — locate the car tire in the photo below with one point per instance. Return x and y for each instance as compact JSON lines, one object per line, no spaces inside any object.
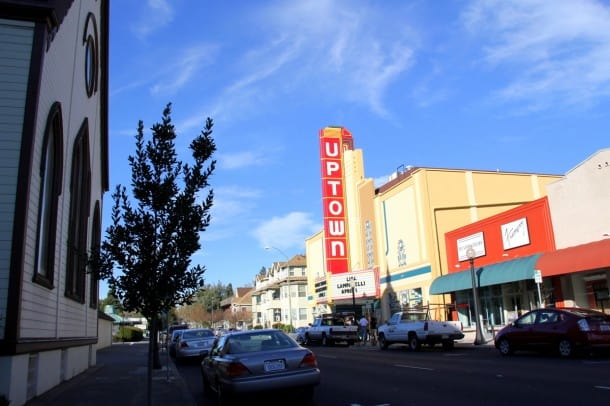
{"x":223,"y":397}
{"x":307,"y":396}
{"x":383,"y":343}
{"x":504,"y":347}
{"x":413,"y":342}
{"x":448,"y":344}
{"x":207,"y":389}
{"x":307,"y":340}
{"x":565,"y":348}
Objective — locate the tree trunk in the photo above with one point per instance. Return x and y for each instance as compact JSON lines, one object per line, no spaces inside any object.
{"x":154,"y":330}
{"x":149,"y":368}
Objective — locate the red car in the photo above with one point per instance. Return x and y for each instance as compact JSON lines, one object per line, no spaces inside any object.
{"x":562,"y":330}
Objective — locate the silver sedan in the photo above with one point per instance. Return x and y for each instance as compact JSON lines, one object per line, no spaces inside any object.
{"x":258,"y":362}
{"x":194,"y":343}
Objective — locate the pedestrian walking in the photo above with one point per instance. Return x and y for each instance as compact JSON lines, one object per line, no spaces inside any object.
{"x":363,"y":327}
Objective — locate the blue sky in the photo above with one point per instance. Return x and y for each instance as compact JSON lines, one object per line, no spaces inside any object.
{"x":519,"y":85}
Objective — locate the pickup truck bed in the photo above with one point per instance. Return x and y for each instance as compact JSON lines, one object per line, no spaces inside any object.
{"x":332,"y":328}
{"x":416,"y":329}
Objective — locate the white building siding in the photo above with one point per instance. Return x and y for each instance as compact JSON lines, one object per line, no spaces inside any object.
{"x":48,"y":313}
{"x":15,"y":51}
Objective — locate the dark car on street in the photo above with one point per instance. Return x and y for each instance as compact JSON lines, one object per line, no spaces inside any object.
{"x":259,"y":362}
{"x":564,"y":331}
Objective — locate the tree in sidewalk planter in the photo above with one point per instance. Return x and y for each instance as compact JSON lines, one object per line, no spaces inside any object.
{"x":146,"y":255}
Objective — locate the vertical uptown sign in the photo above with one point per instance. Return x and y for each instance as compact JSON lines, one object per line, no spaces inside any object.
{"x":333,"y":141}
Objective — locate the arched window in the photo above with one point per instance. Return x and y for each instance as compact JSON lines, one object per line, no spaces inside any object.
{"x":80,"y":191}
{"x":51,"y":168}
{"x":90,"y":42}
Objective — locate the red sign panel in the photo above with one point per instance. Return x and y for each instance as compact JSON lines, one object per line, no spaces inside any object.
{"x":333,"y":141}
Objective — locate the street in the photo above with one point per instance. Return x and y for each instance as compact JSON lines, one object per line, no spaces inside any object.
{"x":368,"y":376}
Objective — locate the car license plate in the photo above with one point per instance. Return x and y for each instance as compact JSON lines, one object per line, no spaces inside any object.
{"x":274,"y":365}
{"x":604,"y":327}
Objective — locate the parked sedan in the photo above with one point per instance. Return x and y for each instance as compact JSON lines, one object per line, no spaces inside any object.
{"x":171,"y":343}
{"x":259,"y":362}
{"x":194,"y":343}
{"x":562,"y":330}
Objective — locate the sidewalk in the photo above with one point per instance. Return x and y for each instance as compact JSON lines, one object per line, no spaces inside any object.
{"x":120,"y":378}
{"x":466,"y":342}
{"x":121,"y":373}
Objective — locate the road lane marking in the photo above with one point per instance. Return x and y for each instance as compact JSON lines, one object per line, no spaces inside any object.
{"x":413,"y":367}
{"x":602,"y":387}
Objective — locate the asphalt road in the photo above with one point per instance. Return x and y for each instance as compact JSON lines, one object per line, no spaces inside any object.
{"x":367,"y":377}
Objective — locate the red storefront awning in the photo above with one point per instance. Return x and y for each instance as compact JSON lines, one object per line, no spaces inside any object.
{"x":585,"y":257}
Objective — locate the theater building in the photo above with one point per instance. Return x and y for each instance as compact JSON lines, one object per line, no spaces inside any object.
{"x":395,"y":234}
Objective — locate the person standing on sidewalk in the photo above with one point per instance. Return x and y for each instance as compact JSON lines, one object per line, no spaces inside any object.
{"x":373,"y":329}
{"x":363,"y":326}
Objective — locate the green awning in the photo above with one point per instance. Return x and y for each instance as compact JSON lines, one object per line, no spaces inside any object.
{"x":495,"y":274}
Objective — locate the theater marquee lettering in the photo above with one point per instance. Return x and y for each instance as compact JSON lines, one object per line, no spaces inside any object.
{"x":365,"y":284}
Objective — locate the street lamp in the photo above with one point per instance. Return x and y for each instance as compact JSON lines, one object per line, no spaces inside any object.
{"x":353,"y":285}
{"x":287,"y":281}
{"x":477,"y":307}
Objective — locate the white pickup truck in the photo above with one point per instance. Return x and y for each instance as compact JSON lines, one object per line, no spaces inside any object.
{"x":415,"y":329}
{"x":329,"y":329}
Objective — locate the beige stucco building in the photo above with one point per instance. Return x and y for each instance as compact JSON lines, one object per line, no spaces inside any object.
{"x":396,"y":231}
{"x":420,"y":205}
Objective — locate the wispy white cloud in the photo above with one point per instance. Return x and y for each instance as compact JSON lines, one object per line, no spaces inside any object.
{"x":557,"y":50}
{"x":231,"y":202}
{"x":241,"y":159}
{"x":176,"y":75}
{"x":168,"y":78}
{"x":356,"y":55}
{"x":307,"y":48}
{"x":288,"y":231}
{"x":156,"y":15}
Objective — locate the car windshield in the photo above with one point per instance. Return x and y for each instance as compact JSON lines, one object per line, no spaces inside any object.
{"x":192,"y":334}
{"x":261,"y":341}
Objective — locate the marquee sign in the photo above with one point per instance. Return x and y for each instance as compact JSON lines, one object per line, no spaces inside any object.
{"x":333,"y":141}
{"x":365,"y":284}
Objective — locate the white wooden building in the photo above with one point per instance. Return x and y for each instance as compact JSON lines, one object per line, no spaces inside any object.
{"x":53,"y":175}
